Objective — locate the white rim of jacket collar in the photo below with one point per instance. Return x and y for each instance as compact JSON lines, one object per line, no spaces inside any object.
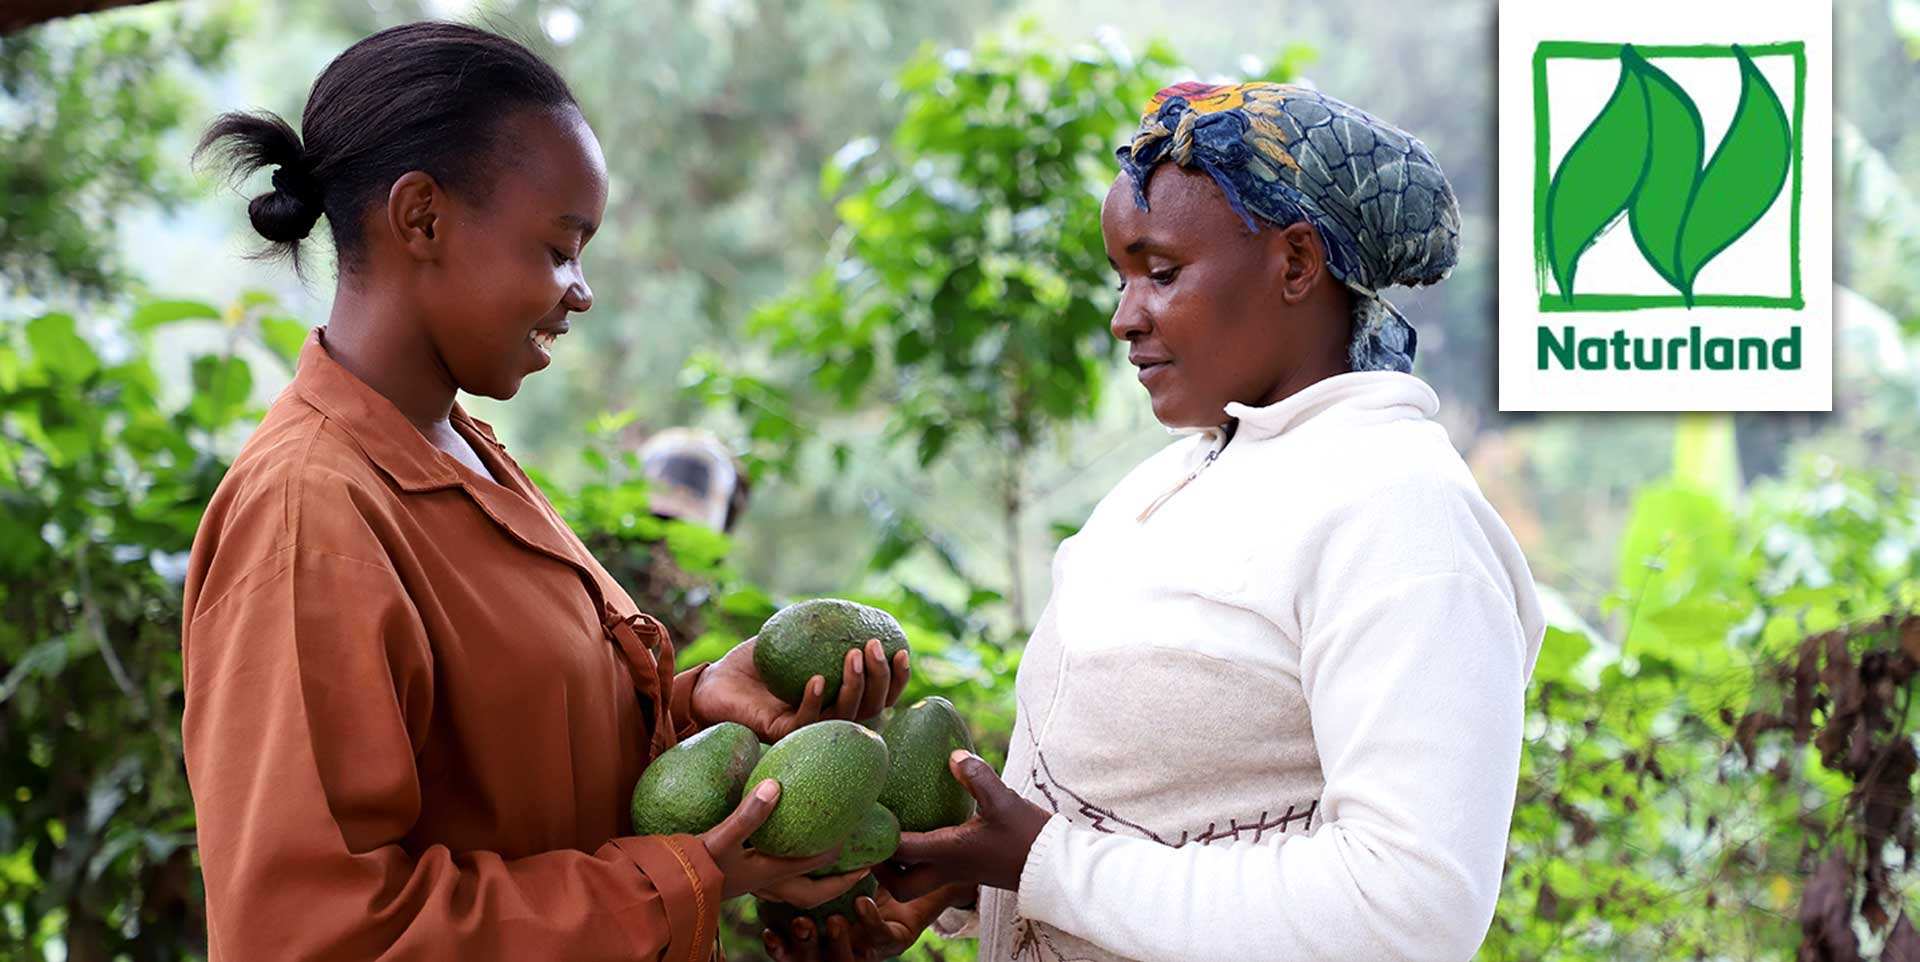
{"x":1374,"y":389}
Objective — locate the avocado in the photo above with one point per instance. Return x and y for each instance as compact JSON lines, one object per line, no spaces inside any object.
{"x":921,"y":791}
{"x":696,"y":784}
{"x":873,"y":840}
{"x":813,"y":637}
{"x":829,"y":772}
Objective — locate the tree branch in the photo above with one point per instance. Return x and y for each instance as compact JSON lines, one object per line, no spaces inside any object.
{"x":21,"y":14}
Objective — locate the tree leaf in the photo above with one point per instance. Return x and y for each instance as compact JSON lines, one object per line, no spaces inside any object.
{"x":157,"y":314}
{"x":1742,"y":179}
{"x":284,"y":335}
{"x":1675,"y":143}
{"x":221,"y":386}
{"x":1598,"y":176}
{"x":59,"y":348}
{"x":1560,"y":651}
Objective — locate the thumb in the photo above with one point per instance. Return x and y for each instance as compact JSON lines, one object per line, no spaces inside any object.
{"x":750,"y":814}
{"x":979,"y":778}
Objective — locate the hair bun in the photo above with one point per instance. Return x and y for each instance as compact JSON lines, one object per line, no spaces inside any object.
{"x":289,"y":212}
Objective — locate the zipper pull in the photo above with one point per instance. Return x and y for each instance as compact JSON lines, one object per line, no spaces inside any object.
{"x":1157,"y":502}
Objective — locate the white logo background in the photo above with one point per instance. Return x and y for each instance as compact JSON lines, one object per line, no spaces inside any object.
{"x":1757,"y":263}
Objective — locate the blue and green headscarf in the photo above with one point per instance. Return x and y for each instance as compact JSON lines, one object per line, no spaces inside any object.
{"x":1289,"y":154}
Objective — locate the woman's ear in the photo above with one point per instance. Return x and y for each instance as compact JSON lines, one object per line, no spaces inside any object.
{"x":1297,"y":255}
{"x":413,"y":212}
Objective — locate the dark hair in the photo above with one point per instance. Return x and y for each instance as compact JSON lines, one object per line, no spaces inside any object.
{"x":428,"y":96}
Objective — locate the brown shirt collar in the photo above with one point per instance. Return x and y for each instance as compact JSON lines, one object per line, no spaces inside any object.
{"x":391,"y":441}
{"x":398,"y":449}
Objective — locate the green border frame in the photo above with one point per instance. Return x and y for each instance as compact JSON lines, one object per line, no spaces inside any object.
{"x":1585,"y":50}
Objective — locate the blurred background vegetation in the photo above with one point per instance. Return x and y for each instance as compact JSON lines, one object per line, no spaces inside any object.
{"x":859,"y":240}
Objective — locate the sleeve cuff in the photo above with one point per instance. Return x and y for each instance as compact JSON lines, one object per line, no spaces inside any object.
{"x":1036,"y":877}
{"x":680,"y":707}
{"x":957,"y":924}
{"x":690,"y":886}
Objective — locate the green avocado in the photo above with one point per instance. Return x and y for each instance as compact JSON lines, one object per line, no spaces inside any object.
{"x":696,"y":784}
{"x":830,"y":773}
{"x":873,"y":840}
{"x":813,"y":637}
{"x":921,"y":790}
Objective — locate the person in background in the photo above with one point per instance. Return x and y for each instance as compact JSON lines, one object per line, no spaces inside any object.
{"x":692,"y":476}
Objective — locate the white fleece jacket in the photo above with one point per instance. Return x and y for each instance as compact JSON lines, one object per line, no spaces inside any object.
{"x":1280,"y":717}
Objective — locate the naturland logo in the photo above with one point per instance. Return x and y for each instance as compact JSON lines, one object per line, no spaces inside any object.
{"x":1665,"y":206}
{"x":1643,"y":212}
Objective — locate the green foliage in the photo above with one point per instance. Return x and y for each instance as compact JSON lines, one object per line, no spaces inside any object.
{"x":103,"y":486}
{"x":967,"y":293}
{"x":1651,"y":822}
{"x":84,"y":105}
{"x":965,"y":305}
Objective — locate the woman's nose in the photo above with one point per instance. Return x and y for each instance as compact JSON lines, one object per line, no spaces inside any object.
{"x":579,"y":296}
{"x":1129,"y":320}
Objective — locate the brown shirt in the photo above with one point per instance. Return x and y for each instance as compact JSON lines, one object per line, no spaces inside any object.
{"x":416,"y":707}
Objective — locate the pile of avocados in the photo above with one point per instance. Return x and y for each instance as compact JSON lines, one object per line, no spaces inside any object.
{"x":841,"y":783}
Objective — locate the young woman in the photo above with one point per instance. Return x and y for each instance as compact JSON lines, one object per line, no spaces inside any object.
{"x":416,"y":706}
{"x":1273,"y":707}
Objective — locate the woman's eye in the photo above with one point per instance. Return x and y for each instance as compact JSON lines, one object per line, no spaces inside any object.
{"x":559,"y":259}
{"x":1164,"y":277}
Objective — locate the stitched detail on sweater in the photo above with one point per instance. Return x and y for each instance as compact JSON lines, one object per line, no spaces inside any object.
{"x":1034,"y":940}
{"x":699,"y":900}
{"x":1101,"y":819}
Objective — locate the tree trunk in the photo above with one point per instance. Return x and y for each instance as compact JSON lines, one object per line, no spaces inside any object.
{"x":18,"y":15}
{"x":1011,"y":505}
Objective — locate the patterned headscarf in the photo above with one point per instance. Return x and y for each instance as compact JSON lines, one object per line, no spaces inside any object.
{"x":1376,"y":196}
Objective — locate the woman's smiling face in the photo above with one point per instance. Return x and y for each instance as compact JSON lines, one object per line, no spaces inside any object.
{"x":505,"y":288}
{"x":1211,"y":311}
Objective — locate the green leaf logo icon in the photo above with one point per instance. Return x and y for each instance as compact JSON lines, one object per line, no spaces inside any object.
{"x":1641,"y":158}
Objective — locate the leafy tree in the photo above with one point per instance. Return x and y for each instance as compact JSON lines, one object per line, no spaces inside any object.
{"x":84,"y":107}
{"x":103,"y":486}
{"x":1727,"y":773}
{"x":967,"y":299}
{"x":715,"y":120}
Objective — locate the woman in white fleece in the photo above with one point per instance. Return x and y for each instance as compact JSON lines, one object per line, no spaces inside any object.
{"x":1273,"y":707}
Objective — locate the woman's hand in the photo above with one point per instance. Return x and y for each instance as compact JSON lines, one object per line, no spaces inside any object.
{"x":731,"y":690}
{"x":988,"y":849}
{"x":745,"y":870}
{"x":880,"y":927}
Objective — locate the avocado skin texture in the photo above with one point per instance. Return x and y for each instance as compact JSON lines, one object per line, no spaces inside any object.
{"x":829,"y":772}
{"x":921,"y":791}
{"x":812,"y":638}
{"x":696,"y":784}
{"x":871,"y":841}
{"x":779,"y":916}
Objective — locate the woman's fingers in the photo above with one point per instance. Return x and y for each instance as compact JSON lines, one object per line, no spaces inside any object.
{"x":985,"y":786}
{"x":806,"y":714}
{"x":776,"y":946}
{"x":839,"y":940}
{"x":808,"y":892}
{"x":874,"y":664}
{"x":897,"y":682}
{"x":882,"y":935}
{"x":921,"y":847}
{"x":909,"y":882}
{"x":853,"y":686}
{"x":747,"y":816}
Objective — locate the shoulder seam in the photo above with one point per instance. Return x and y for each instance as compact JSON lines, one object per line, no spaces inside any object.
{"x":275,"y":557}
